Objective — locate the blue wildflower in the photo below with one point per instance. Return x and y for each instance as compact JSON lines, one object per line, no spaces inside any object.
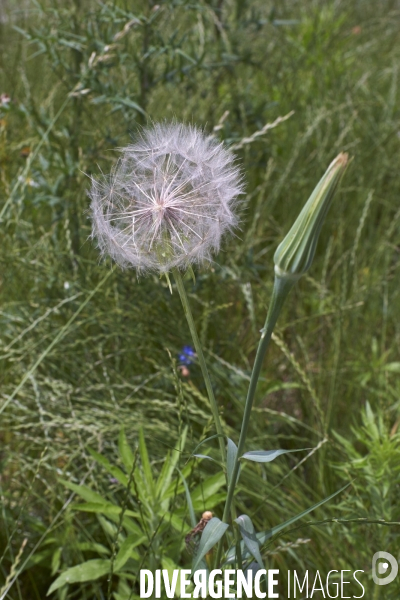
{"x":187,"y":355}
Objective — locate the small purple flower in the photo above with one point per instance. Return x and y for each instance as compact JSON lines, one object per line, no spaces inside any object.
{"x":187,"y":355}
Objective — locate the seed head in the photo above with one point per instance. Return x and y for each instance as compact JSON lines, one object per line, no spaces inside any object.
{"x":169,"y":200}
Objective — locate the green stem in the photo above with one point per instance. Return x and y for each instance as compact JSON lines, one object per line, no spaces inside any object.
{"x":282,"y":287}
{"x":199,"y":351}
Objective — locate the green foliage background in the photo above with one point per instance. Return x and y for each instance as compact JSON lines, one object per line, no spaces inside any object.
{"x":86,"y":349}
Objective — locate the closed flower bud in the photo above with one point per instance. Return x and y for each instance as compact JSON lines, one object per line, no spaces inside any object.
{"x":295,"y":253}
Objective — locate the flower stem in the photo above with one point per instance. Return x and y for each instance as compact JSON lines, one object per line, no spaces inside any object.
{"x":282,"y":287}
{"x":199,"y":351}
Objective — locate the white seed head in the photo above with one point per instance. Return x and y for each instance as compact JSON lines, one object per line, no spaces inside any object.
{"x":169,"y":200}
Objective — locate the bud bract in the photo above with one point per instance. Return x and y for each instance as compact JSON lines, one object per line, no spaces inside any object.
{"x":295,"y":253}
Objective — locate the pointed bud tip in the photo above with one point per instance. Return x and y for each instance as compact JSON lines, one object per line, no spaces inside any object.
{"x":341,"y":160}
{"x":295,"y":253}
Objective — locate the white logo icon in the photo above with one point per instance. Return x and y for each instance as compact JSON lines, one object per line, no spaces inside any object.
{"x":382,"y":567}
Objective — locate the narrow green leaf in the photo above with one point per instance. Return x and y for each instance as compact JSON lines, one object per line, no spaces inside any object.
{"x":111,"y":469}
{"x":83,"y":491}
{"x":125,"y":451}
{"x":175,"y":488}
{"x":92,"y":547}
{"x":144,"y":494}
{"x":56,"y":561}
{"x":208,"y":488}
{"x":146,"y":466}
{"x":277,"y":386}
{"x":164,"y":479}
{"x":177,"y":523}
{"x":130,"y":525}
{"x":126,"y":548}
{"x":393,"y":367}
{"x":206,"y":457}
{"x":266,"y":535}
{"x":231,"y":455}
{"x":264,"y":456}
{"x":104,"y":508}
{"x":212,"y":437}
{"x":111,"y":511}
{"x":192,"y":516}
{"x":127,"y":102}
{"x":118,"y":101}
{"x":248,"y":534}
{"x":87,"y":571}
{"x":182,"y":53}
{"x":213,"y":501}
{"x":174,"y":575}
{"x":212,"y":533}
